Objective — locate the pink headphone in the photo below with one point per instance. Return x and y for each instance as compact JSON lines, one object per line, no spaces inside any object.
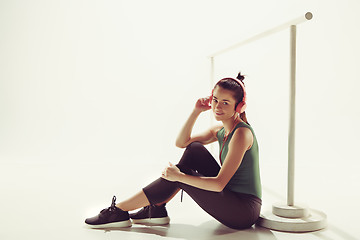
{"x":240,"y":108}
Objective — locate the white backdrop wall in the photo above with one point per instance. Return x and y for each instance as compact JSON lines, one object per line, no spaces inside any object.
{"x":113,"y":81}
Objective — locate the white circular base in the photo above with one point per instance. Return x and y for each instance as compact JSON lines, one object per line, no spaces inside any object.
{"x":286,"y":211}
{"x":315,"y":220}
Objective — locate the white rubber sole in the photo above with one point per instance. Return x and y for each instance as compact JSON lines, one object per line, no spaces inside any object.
{"x":152,"y":221}
{"x":122,"y":224}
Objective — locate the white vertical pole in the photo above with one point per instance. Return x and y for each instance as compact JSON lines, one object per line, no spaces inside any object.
{"x":212,"y":76}
{"x":212,"y":71}
{"x":291,"y":141}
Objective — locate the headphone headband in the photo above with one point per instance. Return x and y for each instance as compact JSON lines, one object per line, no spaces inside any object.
{"x":241,"y":84}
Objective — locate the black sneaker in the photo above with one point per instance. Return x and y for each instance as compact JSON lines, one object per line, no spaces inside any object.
{"x":151,"y":215}
{"x":111,"y":217}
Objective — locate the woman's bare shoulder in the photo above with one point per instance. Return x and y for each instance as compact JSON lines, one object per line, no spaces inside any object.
{"x":216,"y":128}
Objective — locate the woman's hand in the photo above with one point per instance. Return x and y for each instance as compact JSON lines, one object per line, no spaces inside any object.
{"x":171,"y":173}
{"x":203,"y":104}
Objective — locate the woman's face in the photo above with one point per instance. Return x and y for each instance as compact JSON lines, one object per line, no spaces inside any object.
{"x":223,"y":104}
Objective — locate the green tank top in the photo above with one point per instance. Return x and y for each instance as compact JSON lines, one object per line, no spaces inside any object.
{"x":247,"y":177}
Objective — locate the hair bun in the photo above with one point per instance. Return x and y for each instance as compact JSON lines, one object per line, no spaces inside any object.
{"x":240,"y":77}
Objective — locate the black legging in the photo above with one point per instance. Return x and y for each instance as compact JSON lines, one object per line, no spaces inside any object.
{"x":235,"y":210}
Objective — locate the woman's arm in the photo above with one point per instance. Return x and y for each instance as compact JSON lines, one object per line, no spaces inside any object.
{"x":184,"y":138}
{"x":239,"y":144}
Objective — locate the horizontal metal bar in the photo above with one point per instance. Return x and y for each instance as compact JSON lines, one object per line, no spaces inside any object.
{"x":296,"y":21}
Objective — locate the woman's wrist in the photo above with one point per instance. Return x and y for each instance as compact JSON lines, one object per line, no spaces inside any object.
{"x":197,"y":111}
{"x":181,"y":176}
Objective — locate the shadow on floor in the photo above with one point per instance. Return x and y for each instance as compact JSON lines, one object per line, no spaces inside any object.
{"x":210,"y":230}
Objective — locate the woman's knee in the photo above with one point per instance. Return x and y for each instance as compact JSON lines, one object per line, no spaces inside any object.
{"x":189,"y":157}
{"x":195,"y":146}
{"x":193,"y":150}
{"x":197,"y":158}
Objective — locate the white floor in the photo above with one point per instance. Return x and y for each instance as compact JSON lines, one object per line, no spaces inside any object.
{"x":43,"y":201}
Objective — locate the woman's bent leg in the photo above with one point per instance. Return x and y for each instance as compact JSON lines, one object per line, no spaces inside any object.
{"x":196,"y":160}
{"x":233,"y":210}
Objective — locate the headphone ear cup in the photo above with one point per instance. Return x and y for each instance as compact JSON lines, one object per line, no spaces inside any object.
{"x":240,"y":108}
{"x":210,"y":100}
{"x":211,"y":97}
